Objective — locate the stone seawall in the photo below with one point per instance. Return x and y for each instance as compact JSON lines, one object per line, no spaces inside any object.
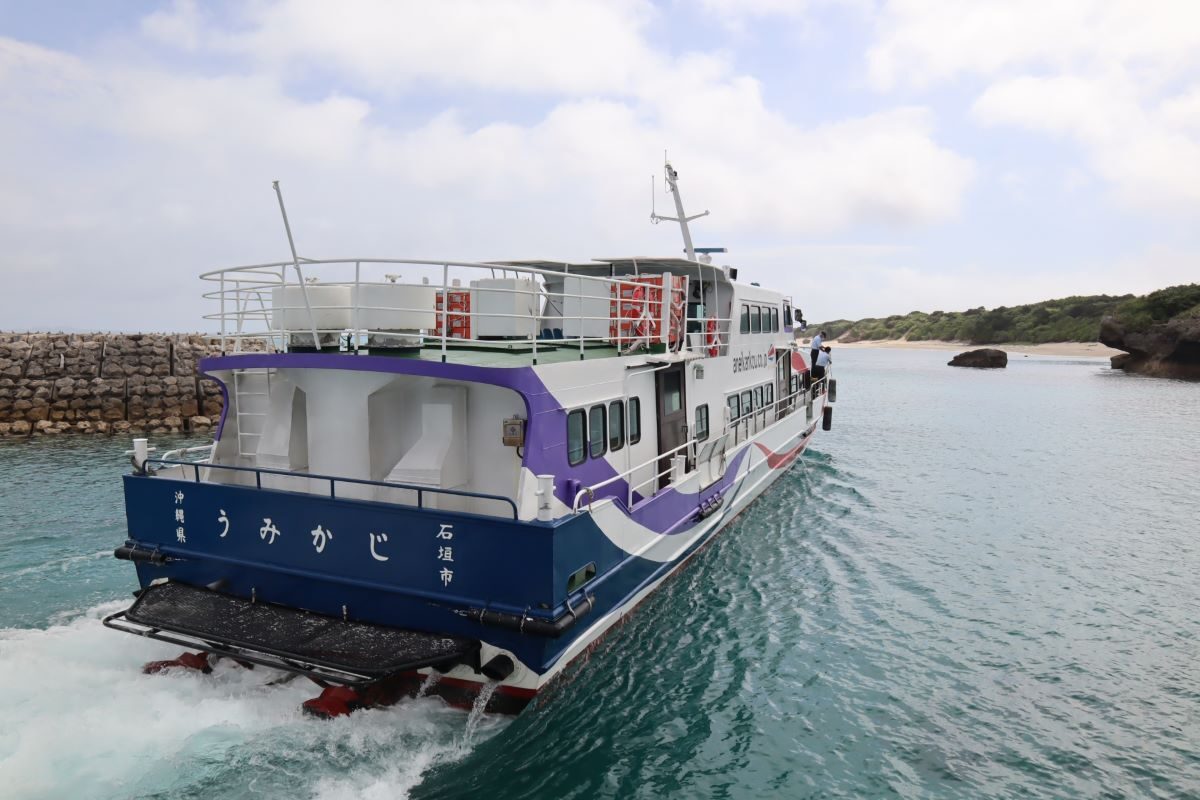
{"x":108,"y":383}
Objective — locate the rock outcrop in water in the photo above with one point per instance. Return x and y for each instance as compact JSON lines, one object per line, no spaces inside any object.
{"x":984,"y":358}
{"x":1168,"y":349}
{"x":105,"y":383}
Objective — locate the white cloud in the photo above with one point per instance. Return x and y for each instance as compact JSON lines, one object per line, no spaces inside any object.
{"x":116,"y":163}
{"x":1140,"y":148}
{"x":922,"y":41}
{"x":562,"y":46}
{"x":1119,"y":78}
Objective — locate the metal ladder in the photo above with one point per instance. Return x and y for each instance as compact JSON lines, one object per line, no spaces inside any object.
{"x":251,"y":390}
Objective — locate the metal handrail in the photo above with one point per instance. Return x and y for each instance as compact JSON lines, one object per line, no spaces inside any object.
{"x":590,"y":490}
{"x":730,"y":426}
{"x":333,"y":481}
{"x":245,"y":285}
{"x":179,"y":452}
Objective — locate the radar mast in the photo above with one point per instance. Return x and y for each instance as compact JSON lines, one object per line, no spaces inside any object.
{"x":673,"y":187}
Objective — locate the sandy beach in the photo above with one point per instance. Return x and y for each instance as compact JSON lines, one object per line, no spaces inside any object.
{"x":1073,"y":349}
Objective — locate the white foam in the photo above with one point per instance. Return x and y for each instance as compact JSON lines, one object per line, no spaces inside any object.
{"x":78,"y":719}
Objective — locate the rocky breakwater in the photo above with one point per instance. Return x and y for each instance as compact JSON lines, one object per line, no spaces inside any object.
{"x":1169,"y":349}
{"x":105,"y":383}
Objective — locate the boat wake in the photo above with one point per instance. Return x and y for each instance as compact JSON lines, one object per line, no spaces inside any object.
{"x":79,"y":719}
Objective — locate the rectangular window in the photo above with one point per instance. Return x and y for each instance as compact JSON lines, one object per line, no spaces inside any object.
{"x":635,"y":420}
{"x":597,"y":431}
{"x":787,"y":315}
{"x":747,"y":402}
{"x":745,"y":319}
{"x":758,"y":397}
{"x":775,"y":319}
{"x":755,"y":320}
{"x":769,"y":394}
{"x":575,"y":449}
{"x":702,"y":422}
{"x":734,"y":408}
{"x":616,"y":425}
{"x":672,"y":392}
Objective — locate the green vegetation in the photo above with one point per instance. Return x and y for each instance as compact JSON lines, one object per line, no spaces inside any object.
{"x":1070,"y":319}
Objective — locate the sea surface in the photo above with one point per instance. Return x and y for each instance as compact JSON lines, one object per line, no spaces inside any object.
{"x":978,"y":584}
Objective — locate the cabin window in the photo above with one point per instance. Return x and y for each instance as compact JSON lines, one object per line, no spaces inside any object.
{"x":793,"y":386}
{"x":745,"y":319}
{"x":616,"y":425}
{"x":755,"y":320}
{"x":758,"y":397}
{"x":635,"y":420}
{"x":768,"y":394}
{"x":597,"y":431}
{"x":702,"y":422}
{"x":787,"y":315}
{"x":575,"y":450}
{"x":747,"y":402}
{"x":775,"y":319}
{"x":734,"y":408}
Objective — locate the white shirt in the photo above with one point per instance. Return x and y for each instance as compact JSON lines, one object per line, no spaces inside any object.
{"x":822,"y":359}
{"x":817,"y":341}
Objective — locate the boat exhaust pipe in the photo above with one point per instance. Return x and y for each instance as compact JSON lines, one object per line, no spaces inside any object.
{"x":498,"y":668}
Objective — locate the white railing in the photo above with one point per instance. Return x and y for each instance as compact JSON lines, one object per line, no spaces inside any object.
{"x":200,"y":454}
{"x":786,"y":404}
{"x":590,"y":491}
{"x":260,"y":307}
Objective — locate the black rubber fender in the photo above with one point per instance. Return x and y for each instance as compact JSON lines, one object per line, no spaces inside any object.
{"x":833,"y":390}
{"x":826,"y":418}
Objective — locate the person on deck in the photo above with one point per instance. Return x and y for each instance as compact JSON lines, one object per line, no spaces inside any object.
{"x":821,"y":363}
{"x":817,"y":341}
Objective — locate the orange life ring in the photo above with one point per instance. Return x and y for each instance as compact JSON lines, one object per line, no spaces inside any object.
{"x":710,"y":328}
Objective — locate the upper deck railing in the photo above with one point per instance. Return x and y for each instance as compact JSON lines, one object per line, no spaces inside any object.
{"x":354,"y":305}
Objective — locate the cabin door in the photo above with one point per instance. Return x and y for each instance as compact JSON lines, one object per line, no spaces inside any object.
{"x":672,"y":417}
{"x":783,"y":380}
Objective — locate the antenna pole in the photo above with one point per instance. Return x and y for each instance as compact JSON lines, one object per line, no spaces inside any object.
{"x":683,"y":220}
{"x":296,"y":263}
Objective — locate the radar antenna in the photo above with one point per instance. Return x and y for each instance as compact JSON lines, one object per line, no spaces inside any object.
{"x":673,"y":187}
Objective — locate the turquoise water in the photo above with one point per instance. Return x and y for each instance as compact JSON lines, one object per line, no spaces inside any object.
{"x":978,"y":584}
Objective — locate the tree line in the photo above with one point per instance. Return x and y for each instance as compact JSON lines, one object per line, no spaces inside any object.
{"x":1069,"y":319}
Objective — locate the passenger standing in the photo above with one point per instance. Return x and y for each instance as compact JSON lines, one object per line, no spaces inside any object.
{"x":821,"y":364}
{"x":817,"y":341}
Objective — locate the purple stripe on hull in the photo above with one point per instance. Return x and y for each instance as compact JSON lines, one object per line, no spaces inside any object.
{"x":546,"y":447}
{"x":664,"y":512}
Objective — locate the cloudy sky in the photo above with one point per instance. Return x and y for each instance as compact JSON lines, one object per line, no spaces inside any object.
{"x":870,"y":157}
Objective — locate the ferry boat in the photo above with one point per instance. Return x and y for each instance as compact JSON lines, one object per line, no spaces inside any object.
{"x":456,"y":477}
